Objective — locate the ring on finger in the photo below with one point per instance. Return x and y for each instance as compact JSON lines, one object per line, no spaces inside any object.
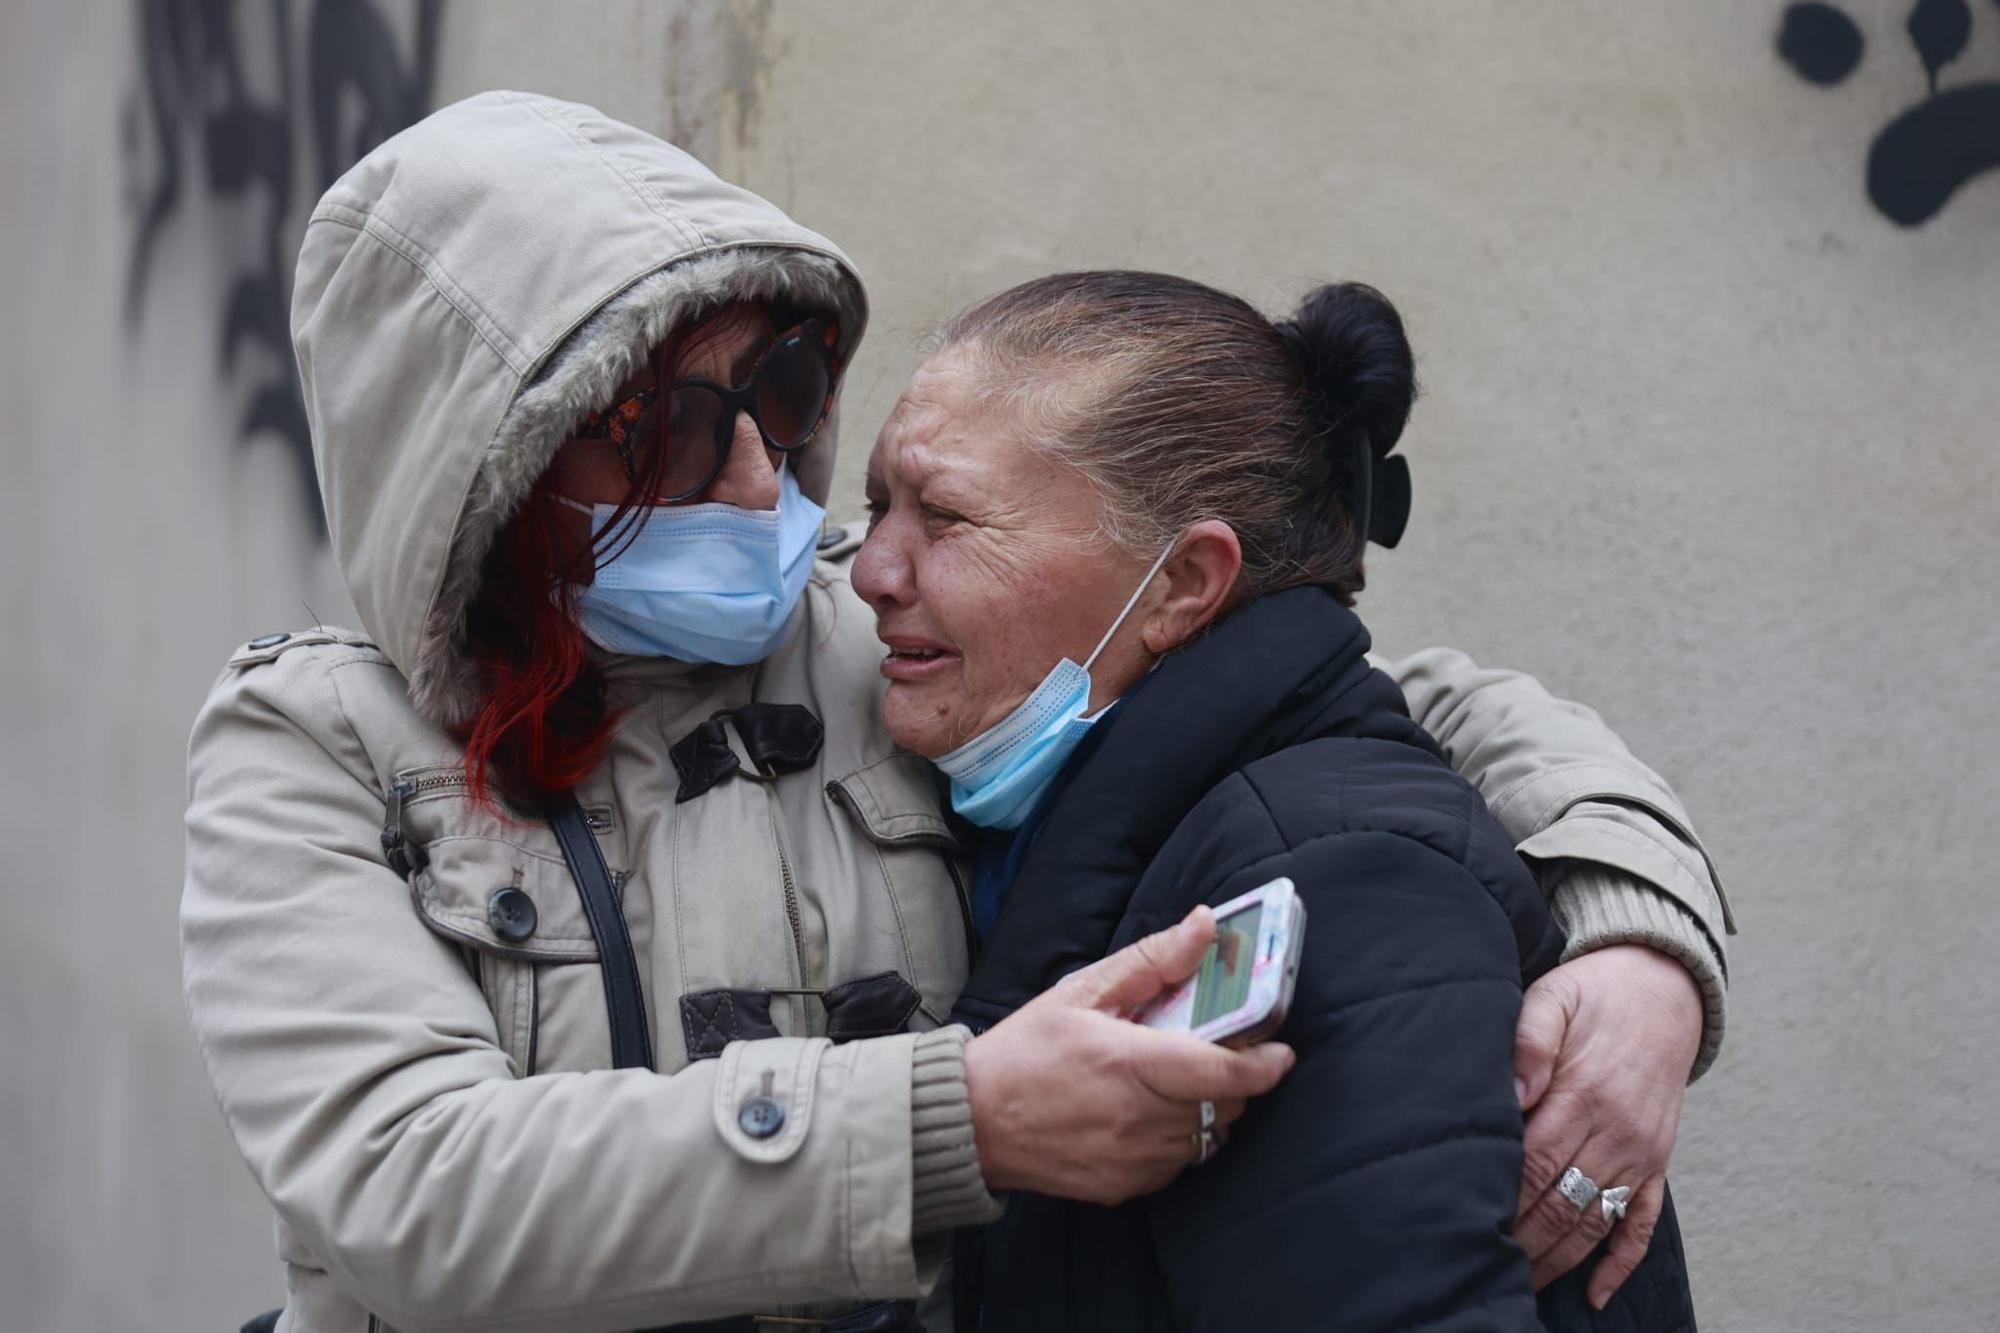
{"x":1579,"y":1190}
{"x":1614,"y":1202}
{"x":1204,"y":1141}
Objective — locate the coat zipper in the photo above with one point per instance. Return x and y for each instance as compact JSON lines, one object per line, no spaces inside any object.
{"x":404,"y":856}
{"x":792,"y":913}
{"x":418,"y":784}
{"x":411,"y":785}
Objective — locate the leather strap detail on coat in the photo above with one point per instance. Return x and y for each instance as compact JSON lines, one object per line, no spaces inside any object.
{"x":624,"y":1001}
{"x":871,"y":1006}
{"x":779,"y":738}
{"x":711,"y":1019}
{"x":703,"y":758}
{"x":874,"y":1006}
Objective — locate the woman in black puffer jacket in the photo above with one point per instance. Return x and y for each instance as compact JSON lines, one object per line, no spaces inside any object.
{"x":1227,"y":730}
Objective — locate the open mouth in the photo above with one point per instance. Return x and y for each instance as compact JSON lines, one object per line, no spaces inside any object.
{"x":912,"y":659}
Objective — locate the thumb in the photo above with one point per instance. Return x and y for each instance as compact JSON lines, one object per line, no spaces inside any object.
{"x":1184,"y":1068}
{"x":1143,"y":968}
{"x":1538,"y":1039}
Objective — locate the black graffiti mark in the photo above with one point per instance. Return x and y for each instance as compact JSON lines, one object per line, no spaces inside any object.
{"x":1922,"y":157}
{"x":199,"y":105}
{"x":353,"y":49}
{"x":1919,"y":162}
{"x":1819,"y":42}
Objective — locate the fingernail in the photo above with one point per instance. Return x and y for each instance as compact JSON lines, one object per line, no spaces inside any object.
{"x":1598,"y":1303}
{"x":1521,"y":1091}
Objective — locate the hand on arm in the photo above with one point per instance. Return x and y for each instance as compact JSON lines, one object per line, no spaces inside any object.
{"x":1599,"y":906}
{"x":1606,"y":1041}
{"x":1601,"y":1058}
{"x":1070,"y":1098}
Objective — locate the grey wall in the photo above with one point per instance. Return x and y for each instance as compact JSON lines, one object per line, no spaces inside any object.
{"x":1710,"y":443}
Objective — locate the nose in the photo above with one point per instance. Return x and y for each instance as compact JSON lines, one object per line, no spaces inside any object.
{"x":881,"y":572}
{"x":749,"y":476}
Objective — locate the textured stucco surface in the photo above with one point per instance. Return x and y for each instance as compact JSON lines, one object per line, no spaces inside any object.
{"x":1708,"y":443}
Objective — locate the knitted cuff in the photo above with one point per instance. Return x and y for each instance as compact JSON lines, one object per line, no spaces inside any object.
{"x":1597,"y":907}
{"x":950,"y":1191}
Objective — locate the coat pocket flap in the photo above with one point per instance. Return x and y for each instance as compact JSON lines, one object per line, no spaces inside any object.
{"x":491,"y":879}
{"x":894,"y":802}
{"x":495,"y":882}
{"x":503,"y":899}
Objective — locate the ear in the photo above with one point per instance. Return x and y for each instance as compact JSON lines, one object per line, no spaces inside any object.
{"x":1200,"y":575}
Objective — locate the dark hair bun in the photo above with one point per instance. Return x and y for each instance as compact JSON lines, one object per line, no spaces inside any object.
{"x":1349,"y":341}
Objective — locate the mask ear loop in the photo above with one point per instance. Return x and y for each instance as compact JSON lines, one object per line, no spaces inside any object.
{"x":1130,"y":602}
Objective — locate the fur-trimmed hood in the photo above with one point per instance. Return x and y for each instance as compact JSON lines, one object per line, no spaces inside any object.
{"x":465,"y":294}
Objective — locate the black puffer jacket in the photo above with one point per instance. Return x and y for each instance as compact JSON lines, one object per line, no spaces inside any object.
{"x":1374,"y":1189}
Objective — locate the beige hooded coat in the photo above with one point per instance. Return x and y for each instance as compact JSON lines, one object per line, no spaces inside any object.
{"x":422,"y":1090}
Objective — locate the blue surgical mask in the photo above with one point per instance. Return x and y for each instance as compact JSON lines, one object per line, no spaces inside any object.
{"x":1000,"y":775}
{"x":703,"y":583}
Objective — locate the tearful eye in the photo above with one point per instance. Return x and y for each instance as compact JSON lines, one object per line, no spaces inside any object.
{"x":940,"y":518}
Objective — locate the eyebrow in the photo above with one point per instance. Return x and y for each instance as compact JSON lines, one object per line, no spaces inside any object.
{"x":740,"y":369}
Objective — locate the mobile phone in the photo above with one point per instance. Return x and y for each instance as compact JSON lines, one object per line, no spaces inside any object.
{"x":1243,"y":989}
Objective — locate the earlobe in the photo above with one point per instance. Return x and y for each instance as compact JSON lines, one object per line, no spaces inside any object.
{"x":1164,"y":632}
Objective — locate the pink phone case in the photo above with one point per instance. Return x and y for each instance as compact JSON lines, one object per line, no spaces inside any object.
{"x":1243,"y":989}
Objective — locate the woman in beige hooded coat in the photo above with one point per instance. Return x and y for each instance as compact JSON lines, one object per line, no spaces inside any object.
{"x":396,"y":986}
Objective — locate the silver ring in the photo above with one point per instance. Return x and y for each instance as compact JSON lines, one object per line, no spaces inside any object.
{"x":1614,"y":1202}
{"x":1580,"y":1190}
{"x":1203,"y":1143}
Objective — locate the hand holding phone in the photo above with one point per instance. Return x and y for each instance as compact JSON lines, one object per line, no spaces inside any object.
{"x":1243,"y":989}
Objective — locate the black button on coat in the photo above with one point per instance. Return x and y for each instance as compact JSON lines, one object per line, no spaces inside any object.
{"x":1375,"y":1188}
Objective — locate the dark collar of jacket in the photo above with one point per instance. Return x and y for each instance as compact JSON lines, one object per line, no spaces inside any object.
{"x":1285,"y":669}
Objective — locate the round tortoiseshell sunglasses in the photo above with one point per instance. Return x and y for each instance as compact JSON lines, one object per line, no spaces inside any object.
{"x":788,"y":395}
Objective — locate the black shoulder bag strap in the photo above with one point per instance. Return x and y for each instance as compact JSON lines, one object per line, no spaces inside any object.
{"x":631,"y":1046}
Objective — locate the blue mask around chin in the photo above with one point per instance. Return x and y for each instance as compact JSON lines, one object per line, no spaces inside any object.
{"x":704,"y":582}
{"x":1000,"y":775}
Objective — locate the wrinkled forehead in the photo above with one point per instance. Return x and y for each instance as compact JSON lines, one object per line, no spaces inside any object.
{"x":945,"y":418}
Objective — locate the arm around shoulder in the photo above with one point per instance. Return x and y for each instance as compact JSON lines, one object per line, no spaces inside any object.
{"x":1615,"y":850}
